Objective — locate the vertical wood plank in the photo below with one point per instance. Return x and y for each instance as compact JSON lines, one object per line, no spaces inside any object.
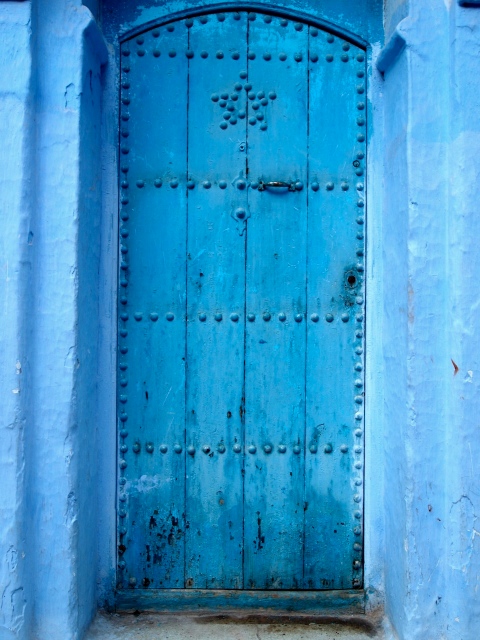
{"x":152,"y":309}
{"x":215,"y":293}
{"x":276,"y":295}
{"x":335,"y":306}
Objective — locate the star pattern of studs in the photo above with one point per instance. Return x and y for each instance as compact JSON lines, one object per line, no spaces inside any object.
{"x":229,"y":102}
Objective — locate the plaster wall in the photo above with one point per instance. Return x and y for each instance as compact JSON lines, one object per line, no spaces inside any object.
{"x":432,"y":561}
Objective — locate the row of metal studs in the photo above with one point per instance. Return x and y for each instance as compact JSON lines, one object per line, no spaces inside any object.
{"x":235,"y":317}
{"x":358,"y":345}
{"x":237,"y":448}
{"x":240,"y":184}
{"x":251,"y":55}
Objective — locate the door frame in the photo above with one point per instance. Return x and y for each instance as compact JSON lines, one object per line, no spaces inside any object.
{"x":347,"y":601}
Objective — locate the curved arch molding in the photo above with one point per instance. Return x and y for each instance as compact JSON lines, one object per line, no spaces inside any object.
{"x":359,"y":22}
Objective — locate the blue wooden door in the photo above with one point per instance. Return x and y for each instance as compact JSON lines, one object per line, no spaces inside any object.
{"x":241,"y":306}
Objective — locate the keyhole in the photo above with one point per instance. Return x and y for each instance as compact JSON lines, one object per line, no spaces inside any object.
{"x":241,"y":146}
{"x":351,"y":279}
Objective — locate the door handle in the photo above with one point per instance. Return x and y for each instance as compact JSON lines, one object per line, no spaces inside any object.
{"x":276,"y":183}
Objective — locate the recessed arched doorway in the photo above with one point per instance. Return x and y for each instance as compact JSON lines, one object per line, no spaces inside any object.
{"x":241,"y":306}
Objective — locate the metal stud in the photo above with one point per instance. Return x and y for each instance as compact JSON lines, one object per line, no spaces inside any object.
{"x":252,"y":16}
{"x":282,"y":56}
{"x":141,"y":52}
{"x":241,"y":184}
{"x":345,"y":317}
{"x":177,"y":448}
{"x":156,"y":53}
{"x":360,"y":57}
{"x":221,"y":17}
{"x":207,"y":184}
{"x":267,"y":448}
{"x":155,"y":33}
{"x":174,"y":183}
{"x":298,"y":317}
{"x":313,"y":448}
{"x":359,"y":399}
{"x":330,"y":38}
{"x":132,"y":581}
{"x":267,"y":19}
{"x":218,"y":317}
{"x":123,"y":464}
{"x":343,"y":448}
{"x":223,"y":125}
{"x":202,"y":317}
{"x":357,"y":564}
{"x":272,"y":95}
{"x":267,"y":56}
{"x":313,"y":32}
{"x":252,"y":449}
{"x":204,"y":19}
{"x":169,"y":316}
{"x":235,"y":55}
{"x":328,"y":448}
{"x":191,"y":450}
{"x":282,"y":448}
{"x":314,"y":57}
{"x":204,"y":54}
{"x":237,"y":448}
{"x":234,"y":317}
{"x":251,"y":55}
{"x":297,"y":449}
{"x":219,"y":55}
{"x":360,"y":88}
{"x":154,"y":317}
{"x":282,"y":317}
{"x":361,"y":106}
{"x":206,"y":448}
{"x":283,"y":22}
{"x":243,"y":75}
{"x":298,"y":57}
{"x":172,"y":53}
{"x":138,"y":316}
{"x":189,"y":22}
{"x":251,"y":317}
{"x":314,"y":317}
{"x":149,"y":447}
{"x":158,"y":183}
{"x":267,"y":316}
{"x":163,"y":448}
{"x":329,"y":186}
{"x":329,"y":317}
{"x":190,"y":184}
{"x":344,"y":57}
{"x":329,"y":58}
{"x":189,"y":53}
{"x":222,"y":184}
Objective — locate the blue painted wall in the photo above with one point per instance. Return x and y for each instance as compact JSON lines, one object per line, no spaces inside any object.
{"x":430,"y":322}
{"x":58,"y":248}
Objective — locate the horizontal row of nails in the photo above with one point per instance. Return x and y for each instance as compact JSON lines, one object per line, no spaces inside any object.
{"x":251,"y":55}
{"x":251,"y":317}
{"x":237,"y":448}
{"x":239,"y":184}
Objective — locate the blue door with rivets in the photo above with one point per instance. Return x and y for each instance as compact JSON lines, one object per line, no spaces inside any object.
{"x":241,"y":306}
